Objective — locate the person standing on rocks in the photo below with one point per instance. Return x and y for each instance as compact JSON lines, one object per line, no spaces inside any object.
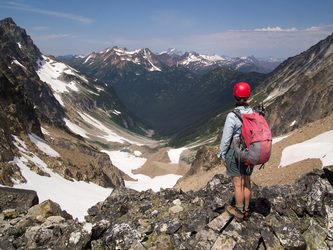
{"x":240,"y":173}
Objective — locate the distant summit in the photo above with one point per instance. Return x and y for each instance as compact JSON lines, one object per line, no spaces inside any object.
{"x":172,"y":52}
{"x":144,"y":59}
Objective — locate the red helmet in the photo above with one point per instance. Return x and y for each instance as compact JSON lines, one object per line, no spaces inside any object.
{"x":242,"y":89}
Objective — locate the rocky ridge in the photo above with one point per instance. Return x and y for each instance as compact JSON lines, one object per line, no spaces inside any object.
{"x":298,"y":216}
{"x":300,"y":89}
{"x":19,"y":53}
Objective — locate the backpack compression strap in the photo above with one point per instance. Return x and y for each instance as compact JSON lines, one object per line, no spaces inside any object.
{"x":238,"y":114}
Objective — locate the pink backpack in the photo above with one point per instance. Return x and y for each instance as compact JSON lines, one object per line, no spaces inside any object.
{"x":257,"y":137}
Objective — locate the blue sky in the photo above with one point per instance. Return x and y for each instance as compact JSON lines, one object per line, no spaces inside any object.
{"x":281,"y":28}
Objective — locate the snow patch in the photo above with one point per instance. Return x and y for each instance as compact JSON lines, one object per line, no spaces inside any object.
{"x":76,"y":197}
{"x":213,"y":57}
{"x":88,"y":58}
{"x":116,"y":112}
{"x":276,"y":140}
{"x":174,"y":154}
{"x":42,"y":145}
{"x":75,"y":128}
{"x":19,"y":64}
{"x":293,"y":123}
{"x":50,"y":71}
{"x":137,"y":153}
{"x":319,"y":147}
{"x":108,"y":134}
{"x":127,"y":162}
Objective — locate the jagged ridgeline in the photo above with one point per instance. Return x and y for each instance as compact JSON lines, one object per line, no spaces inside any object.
{"x":168,"y":97}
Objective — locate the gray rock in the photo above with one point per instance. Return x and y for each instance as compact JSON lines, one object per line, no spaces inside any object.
{"x":295,"y":216}
{"x":48,"y":208}
{"x":205,"y":239}
{"x":269,"y":238}
{"x":315,"y":236}
{"x":122,"y":236}
{"x":286,"y":231}
{"x":224,"y":242}
{"x":19,"y":199}
{"x":316,"y":197}
{"x":168,"y":227}
{"x":220,"y":222}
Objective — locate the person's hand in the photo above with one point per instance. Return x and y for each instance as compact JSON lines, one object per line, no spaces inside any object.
{"x":224,"y":163}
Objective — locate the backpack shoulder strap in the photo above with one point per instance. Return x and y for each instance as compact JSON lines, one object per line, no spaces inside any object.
{"x":238,"y":114}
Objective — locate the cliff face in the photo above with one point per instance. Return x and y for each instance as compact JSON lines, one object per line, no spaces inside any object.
{"x":298,"y":216}
{"x":19,"y":53}
{"x":17,"y":113}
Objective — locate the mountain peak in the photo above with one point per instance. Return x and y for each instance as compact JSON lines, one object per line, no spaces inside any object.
{"x":8,"y":21}
{"x":172,"y":52}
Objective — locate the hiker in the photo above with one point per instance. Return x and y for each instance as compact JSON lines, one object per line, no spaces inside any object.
{"x":239,"y":172}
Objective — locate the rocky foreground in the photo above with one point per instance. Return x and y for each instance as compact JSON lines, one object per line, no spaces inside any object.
{"x":298,"y":216}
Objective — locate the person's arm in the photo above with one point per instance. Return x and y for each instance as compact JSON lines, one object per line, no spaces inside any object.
{"x":227,"y":135}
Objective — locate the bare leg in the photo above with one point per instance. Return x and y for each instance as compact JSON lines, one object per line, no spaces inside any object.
{"x":239,"y":191}
{"x":247,"y":189}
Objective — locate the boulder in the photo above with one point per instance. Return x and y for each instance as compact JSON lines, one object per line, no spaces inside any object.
{"x":19,"y":199}
{"x":46,"y":209}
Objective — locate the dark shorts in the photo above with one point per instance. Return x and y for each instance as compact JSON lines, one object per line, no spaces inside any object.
{"x":233,"y":168}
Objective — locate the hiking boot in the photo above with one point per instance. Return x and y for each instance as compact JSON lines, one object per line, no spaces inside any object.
{"x":246,"y":215}
{"x":239,"y":216}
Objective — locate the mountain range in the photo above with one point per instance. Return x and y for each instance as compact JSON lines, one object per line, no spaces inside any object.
{"x":165,"y":94}
{"x":60,"y":119}
{"x":197,"y":63}
{"x":167,"y":91}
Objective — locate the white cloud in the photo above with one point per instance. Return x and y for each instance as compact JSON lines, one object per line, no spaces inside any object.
{"x":269,"y":41}
{"x":23,"y":7}
{"x":276,"y":41}
{"x":52,"y":36}
{"x":275,"y":29}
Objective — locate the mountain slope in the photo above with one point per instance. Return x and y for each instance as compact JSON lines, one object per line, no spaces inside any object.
{"x":17,"y":114}
{"x":61,"y":100}
{"x":51,"y":84}
{"x":172,"y":100}
{"x":77,"y":92}
{"x":300,"y":90}
{"x":21,"y":56}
